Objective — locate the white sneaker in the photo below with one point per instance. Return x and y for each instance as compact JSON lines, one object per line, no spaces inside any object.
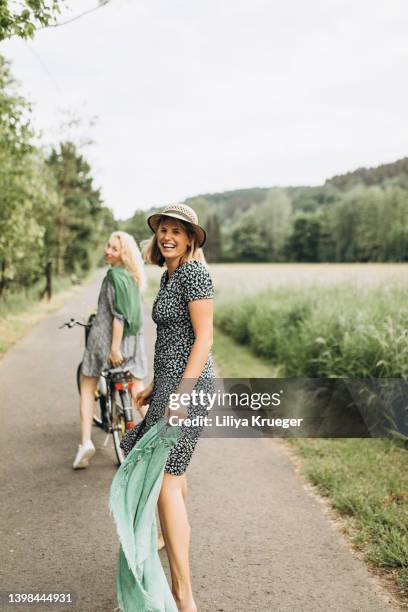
{"x":85,"y":452}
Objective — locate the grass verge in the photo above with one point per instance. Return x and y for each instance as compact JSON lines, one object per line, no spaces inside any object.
{"x":234,"y":361}
{"x":365,"y":480}
{"x":21,"y":311}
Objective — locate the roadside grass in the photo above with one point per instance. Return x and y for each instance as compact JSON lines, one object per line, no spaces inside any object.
{"x":339,"y":331}
{"x":365,"y":480}
{"x":19,"y":312}
{"x":234,"y":361}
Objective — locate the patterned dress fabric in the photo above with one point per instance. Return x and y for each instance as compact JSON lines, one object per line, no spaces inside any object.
{"x":175,"y":337}
{"x":95,"y":358}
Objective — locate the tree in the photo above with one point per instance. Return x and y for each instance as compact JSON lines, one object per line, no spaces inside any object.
{"x":275,"y":220}
{"x":18,"y":227}
{"x":137,"y":226}
{"x":79,"y":225}
{"x":246,"y":243}
{"x":303,"y":243}
{"x":23,"y":18}
{"x":212,"y":247}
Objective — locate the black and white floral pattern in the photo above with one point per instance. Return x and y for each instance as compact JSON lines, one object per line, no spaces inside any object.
{"x":175,"y":337}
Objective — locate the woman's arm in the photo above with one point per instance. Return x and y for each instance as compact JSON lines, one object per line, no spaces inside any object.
{"x":201,"y":314}
{"x":118,"y":323}
{"x":115,"y":356}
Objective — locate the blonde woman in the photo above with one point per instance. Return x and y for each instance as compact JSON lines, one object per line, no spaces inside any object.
{"x":116,"y":337}
{"x":183,"y":313}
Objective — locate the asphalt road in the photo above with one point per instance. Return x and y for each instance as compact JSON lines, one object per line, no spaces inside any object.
{"x":260,"y":540}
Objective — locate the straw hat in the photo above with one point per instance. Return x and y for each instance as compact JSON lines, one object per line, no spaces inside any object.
{"x":182,"y":212}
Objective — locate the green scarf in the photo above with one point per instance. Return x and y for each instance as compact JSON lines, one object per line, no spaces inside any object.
{"x":140,"y":580}
{"x":127,"y":299}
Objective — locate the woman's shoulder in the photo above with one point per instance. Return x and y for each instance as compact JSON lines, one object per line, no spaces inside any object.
{"x":196,"y":280}
{"x":194,"y":267}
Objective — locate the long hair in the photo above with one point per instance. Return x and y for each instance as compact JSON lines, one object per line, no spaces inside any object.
{"x":131,"y":257}
{"x":151,"y":252}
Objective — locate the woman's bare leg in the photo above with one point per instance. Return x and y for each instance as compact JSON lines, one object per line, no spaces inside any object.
{"x":160,"y":542}
{"x":184,"y":487}
{"x":176,"y":531}
{"x":87,"y":405}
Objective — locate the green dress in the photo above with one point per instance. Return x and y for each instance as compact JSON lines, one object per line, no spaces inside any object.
{"x":141,"y":582}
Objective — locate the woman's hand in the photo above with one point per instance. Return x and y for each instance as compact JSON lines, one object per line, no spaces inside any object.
{"x":115,"y":357}
{"x":142,"y":398}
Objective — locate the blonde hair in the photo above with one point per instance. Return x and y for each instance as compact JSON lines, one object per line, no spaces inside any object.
{"x":151,"y":252}
{"x":131,"y":257}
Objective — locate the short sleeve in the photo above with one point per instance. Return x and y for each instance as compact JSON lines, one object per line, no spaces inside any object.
{"x":110,"y":293}
{"x":196,"y":281}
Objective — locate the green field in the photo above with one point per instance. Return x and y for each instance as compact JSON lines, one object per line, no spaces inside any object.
{"x":364,"y":480}
{"x":239,"y":278}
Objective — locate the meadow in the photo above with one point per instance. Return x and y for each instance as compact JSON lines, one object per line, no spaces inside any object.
{"x":327,"y":320}
{"x":238,"y":279}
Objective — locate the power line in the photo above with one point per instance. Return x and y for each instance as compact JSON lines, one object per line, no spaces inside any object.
{"x":45,"y":68}
{"x":101,"y":4}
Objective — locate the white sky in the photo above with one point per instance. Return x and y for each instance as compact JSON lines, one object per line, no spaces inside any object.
{"x":198,"y":96}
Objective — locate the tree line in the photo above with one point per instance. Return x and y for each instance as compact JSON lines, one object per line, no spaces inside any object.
{"x":52,"y":218}
{"x":360,"y":221}
{"x":361,"y":216}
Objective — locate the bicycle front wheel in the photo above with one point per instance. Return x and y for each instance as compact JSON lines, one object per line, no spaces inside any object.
{"x":78,"y":378}
{"x":121,"y":401}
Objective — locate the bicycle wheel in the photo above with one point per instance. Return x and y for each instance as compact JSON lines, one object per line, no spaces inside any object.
{"x":121,"y":400}
{"x":100,"y":417}
{"x":78,"y":377}
{"x":118,"y":424}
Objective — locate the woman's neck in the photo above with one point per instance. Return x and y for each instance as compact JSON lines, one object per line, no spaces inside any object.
{"x":172,"y":265}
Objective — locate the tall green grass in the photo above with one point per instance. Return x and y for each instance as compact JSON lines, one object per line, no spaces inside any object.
{"x":340,"y":331}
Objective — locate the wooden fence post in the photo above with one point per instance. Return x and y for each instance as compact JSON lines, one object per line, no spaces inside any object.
{"x":48,"y":277}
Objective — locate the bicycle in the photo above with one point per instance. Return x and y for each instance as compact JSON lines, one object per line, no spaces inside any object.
{"x":114,"y":411}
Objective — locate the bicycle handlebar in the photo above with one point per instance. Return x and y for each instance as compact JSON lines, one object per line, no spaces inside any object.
{"x":72,"y":322}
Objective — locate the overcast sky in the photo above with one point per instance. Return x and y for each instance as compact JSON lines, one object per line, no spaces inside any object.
{"x":198,"y":96}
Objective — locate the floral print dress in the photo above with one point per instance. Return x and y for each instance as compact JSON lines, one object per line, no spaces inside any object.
{"x":175,"y":337}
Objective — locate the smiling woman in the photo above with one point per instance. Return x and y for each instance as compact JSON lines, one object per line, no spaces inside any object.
{"x":183,"y":313}
{"x":116,"y":337}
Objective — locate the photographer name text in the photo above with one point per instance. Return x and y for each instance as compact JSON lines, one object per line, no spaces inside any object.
{"x":234,"y":422}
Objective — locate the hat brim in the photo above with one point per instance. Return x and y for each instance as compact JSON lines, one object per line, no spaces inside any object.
{"x":154,"y":220}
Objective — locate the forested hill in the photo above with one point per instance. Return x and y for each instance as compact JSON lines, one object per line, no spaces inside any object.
{"x":395,"y":173}
{"x":231,"y":201}
{"x":358,"y":216}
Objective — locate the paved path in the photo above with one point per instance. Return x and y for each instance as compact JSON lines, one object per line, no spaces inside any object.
{"x":260,"y":541}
